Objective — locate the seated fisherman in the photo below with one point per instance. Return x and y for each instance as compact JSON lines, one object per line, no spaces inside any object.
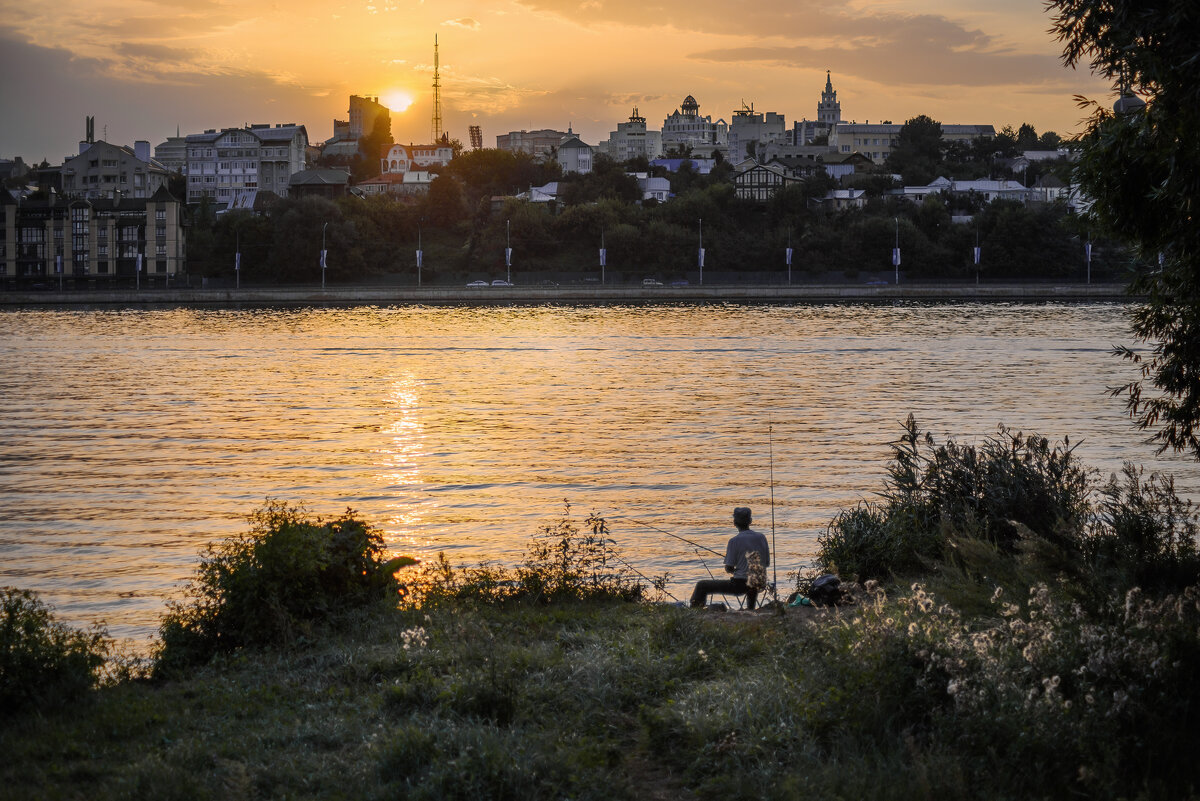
{"x":741,"y":546}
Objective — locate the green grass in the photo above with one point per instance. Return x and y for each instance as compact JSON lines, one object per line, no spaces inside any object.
{"x":1032,"y":657}
{"x":615,"y":700}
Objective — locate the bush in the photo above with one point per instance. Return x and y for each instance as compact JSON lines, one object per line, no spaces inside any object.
{"x":1144,"y":534}
{"x":1008,"y":487}
{"x":43,"y":662}
{"x":562,"y":563}
{"x":1018,"y":506}
{"x":270,"y":584}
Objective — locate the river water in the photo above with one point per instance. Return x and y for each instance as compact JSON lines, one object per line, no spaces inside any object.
{"x":130,"y":439}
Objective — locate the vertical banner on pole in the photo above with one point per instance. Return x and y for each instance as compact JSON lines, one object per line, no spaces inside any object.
{"x":420,"y":259}
{"x":508,"y":257}
{"x":1088,"y":250}
{"x":323,"y":253}
{"x":977,"y":257}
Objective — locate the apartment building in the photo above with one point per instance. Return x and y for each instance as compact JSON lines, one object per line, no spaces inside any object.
{"x":221,"y":164}
{"x":104,"y":170}
{"x":749,"y":127}
{"x":877,"y":141}
{"x":537,"y":143}
{"x":632,"y":139}
{"x":93,"y":240}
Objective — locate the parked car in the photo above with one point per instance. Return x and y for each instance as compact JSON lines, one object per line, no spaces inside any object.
{"x":501,"y":282}
{"x":651,"y":282}
{"x":679,"y":283}
{"x":477,"y":283}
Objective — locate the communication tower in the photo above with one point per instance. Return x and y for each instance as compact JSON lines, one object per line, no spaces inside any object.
{"x":437,"y":95}
{"x":476,"y":136}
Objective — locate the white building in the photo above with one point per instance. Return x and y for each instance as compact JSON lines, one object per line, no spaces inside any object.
{"x":573,"y":155}
{"x":221,"y":163}
{"x":748,"y":126}
{"x":686,"y":128}
{"x":403,"y":158}
{"x":172,"y":154}
{"x":632,"y":140}
{"x":104,"y":170}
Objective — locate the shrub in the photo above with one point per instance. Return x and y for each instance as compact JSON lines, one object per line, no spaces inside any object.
{"x":43,"y":662}
{"x":1009,"y":486}
{"x":1144,"y":534}
{"x":562,"y":563}
{"x":270,"y":584}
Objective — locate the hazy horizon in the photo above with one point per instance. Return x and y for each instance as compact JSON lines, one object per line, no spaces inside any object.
{"x":145,"y":68}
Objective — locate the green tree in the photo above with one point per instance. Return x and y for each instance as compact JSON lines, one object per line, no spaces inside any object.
{"x":1141,"y":166}
{"x":1027,"y":138}
{"x":918,"y":150}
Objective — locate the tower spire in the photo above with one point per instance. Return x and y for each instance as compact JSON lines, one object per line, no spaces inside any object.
{"x":437,"y":95}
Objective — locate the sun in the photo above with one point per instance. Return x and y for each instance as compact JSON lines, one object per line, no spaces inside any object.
{"x":397,"y":100}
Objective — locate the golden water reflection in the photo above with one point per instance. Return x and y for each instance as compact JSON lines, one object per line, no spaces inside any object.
{"x":131,"y":439}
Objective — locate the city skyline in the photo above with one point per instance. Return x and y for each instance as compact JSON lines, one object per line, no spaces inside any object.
{"x":145,"y":68}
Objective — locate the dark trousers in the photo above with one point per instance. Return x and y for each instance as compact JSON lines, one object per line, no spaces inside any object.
{"x":732,"y":586}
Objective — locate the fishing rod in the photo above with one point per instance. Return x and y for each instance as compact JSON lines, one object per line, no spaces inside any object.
{"x":774,"y":553}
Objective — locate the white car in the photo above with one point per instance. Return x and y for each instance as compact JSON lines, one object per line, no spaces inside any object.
{"x":500,"y":282}
{"x":651,"y":282}
{"x":477,"y":283}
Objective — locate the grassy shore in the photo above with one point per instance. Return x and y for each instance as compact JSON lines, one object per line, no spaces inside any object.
{"x":1045,"y":644}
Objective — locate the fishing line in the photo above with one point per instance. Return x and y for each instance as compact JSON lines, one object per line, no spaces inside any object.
{"x":692,"y":543}
{"x":649,"y":580}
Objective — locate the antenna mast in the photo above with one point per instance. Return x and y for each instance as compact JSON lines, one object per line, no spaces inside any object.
{"x":437,"y":95}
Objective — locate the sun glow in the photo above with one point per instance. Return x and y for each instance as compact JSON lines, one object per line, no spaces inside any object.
{"x":397,"y":100}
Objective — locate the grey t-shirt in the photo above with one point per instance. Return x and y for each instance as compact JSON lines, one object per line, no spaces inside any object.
{"x":741,"y":544}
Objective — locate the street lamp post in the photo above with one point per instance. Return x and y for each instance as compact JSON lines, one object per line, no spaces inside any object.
{"x":700,"y":256}
{"x":603,"y":258}
{"x":788,"y":255}
{"x":508,"y":251}
{"x":323,"y":251}
{"x":237,"y":262}
{"x":896,"y":252}
{"x":975,"y":253}
{"x":420,"y":254}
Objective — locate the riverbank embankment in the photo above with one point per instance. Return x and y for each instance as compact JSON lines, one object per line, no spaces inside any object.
{"x":518,"y":295}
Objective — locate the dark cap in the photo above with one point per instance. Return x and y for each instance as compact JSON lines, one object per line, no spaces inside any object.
{"x":741,"y":516}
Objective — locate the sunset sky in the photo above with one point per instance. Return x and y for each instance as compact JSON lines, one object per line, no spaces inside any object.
{"x":146,"y":67}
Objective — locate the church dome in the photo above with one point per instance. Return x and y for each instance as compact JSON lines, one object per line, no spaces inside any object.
{"x":689,"y":105}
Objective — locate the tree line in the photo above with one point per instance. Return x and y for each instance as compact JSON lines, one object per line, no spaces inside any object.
{"x":470,"y":215}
